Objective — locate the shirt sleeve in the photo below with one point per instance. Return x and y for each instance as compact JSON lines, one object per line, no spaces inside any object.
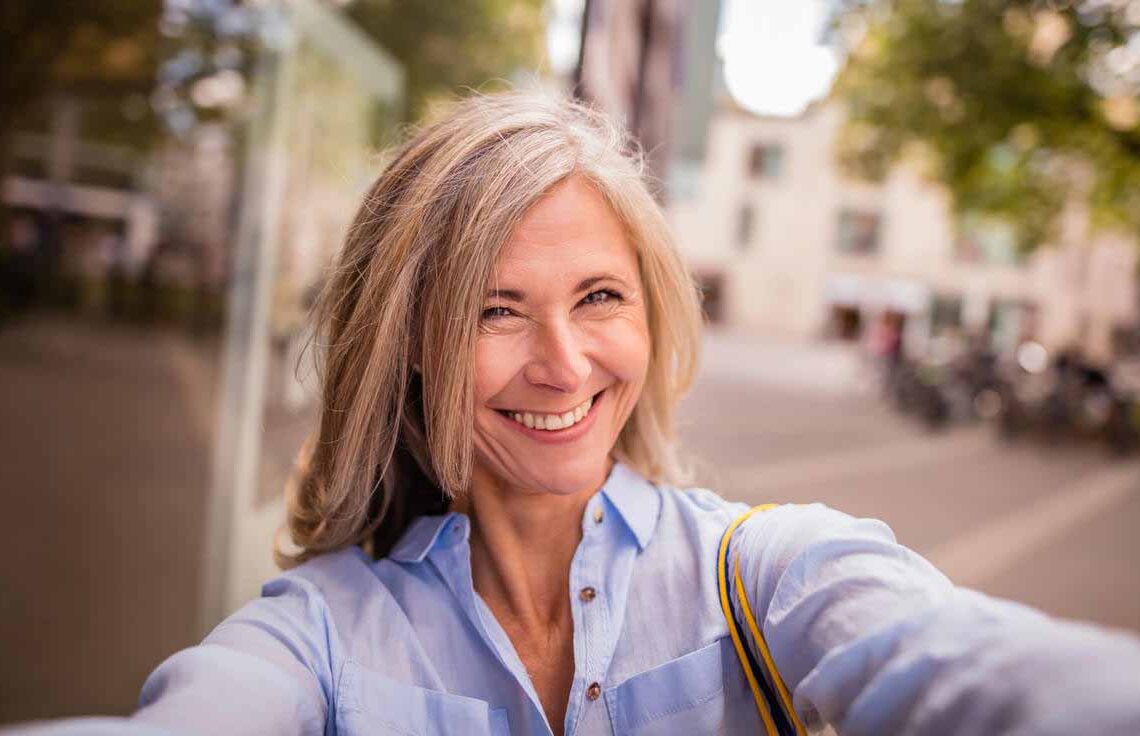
{"x":264,"y":670}
{"x":870,"y":637}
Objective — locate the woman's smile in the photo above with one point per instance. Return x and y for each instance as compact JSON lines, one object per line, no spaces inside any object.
{"x":555,"y":427}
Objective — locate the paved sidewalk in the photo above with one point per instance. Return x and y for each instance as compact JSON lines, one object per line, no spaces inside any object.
{"x":1055,"y":528}
{"x":106,"y":438}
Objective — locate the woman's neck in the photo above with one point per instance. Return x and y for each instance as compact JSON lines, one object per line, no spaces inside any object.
{"x":522,"y":544}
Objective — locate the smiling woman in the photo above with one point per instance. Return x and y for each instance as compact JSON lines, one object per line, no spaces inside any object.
{"x":489,"y":538}
{"x":512,"y":253}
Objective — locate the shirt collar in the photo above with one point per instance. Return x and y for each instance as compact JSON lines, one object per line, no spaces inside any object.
{"x":636,"y":500}
{"x":421,"y":536}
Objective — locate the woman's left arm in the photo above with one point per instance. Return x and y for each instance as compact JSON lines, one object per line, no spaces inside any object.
{"x":875,"y":640}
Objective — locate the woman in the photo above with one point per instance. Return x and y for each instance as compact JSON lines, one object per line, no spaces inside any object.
{"x":487,"y":535}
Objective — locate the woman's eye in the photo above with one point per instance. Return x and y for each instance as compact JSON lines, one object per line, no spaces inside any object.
{"x":601,"y":296}
{"x":495,"y":312}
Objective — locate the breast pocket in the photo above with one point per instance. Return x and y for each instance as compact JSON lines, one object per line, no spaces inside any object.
{"x":369,"y":703}
{"x":703,"y":692}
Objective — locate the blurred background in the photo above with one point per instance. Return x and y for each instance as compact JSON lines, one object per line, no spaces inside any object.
{"x":915,"y":224}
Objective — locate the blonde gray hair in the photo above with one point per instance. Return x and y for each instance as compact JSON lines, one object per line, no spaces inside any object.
{"x":397,"y":320}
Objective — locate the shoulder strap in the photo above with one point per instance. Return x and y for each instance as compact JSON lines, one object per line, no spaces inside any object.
{"x":772,"y":698}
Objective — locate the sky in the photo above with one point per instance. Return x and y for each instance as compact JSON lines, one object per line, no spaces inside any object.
{"x":774,"y":63}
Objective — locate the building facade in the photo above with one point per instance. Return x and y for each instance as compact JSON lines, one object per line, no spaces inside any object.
{"x":651,"y":64}
{"x":784,"y":244}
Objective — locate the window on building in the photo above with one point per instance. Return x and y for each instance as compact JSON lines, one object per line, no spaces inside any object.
{"x":712,"y":296}
{"x":945,"y":313}
{"x":765,"y":161}
{"x":986,"y":241}
{"x":858,"y":232}
{"x":745,"y":224}
{"x":846,"y":322}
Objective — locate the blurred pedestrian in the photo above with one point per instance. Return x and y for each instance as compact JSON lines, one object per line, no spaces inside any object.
{"x":18,"y":266}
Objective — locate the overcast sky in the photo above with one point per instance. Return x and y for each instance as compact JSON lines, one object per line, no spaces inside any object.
{"x":774,"y":62}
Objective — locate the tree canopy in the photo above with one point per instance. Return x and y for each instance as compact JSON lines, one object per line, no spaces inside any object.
{"x":445,"y":46}
{"x":105,"y":50}
{"x":130,"y":58}
{"x":1015,"y":105}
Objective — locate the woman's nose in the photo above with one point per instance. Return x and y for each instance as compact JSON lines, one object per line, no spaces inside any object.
{"x":559,"y":361}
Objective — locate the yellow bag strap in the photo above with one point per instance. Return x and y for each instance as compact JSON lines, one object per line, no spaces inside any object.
{"x":775,"y":708}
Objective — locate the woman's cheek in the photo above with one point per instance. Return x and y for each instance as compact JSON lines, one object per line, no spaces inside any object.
{"x":497,"y":360}
{"x":625,"y":347}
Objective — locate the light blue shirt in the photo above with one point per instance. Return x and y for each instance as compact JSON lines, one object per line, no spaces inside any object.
{"x":866,"y":634}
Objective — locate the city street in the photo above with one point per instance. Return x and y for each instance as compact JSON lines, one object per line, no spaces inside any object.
{"x":1052,"y":527}
{"x":185,"y":185}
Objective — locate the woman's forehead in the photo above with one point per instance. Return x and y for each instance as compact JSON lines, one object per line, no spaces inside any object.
{"x":570,"y":230}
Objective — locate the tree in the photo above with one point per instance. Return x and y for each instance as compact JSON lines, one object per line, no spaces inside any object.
{"x":126,"y":51}
{"x":445,"y":46}
{"x":102,"y":49}
{"x":1015,"y":105}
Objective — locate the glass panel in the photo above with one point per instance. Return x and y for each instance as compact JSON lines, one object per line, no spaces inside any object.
{"x":137,"y":276}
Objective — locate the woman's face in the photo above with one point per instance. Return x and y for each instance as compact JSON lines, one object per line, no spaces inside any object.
{"x":563,"y":347}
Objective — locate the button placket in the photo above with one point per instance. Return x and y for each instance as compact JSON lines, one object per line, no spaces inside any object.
{"x":590,"y":616}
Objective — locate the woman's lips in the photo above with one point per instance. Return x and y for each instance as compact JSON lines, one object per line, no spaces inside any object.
{"x":557,"y":436}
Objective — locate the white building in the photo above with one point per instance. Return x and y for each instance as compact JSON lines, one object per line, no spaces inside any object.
{"x":786,"y":245}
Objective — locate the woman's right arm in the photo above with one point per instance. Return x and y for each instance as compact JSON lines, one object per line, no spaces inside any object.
{"x":265,"y":669}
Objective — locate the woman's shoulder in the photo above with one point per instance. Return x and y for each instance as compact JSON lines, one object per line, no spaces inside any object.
{"x":331,"y":580}
{"x":706,"y":506}
{"x":327,"y":572}
{"x":764,"y":520}
{"x":334,"y":592}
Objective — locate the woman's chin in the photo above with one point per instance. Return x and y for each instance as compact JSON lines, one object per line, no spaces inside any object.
{"x":554,"y":472}
{"x":569,"y":479}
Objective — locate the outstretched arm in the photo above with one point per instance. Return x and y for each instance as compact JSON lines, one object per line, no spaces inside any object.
{"x":263,"y":670}
{"x":870,"y":637}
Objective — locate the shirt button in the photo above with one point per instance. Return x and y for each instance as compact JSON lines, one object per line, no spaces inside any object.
{"x":594,"y":691}
{"x":598,"y":515}
{"x":587,"y":594}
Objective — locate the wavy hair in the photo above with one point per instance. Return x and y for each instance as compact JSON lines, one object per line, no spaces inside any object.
{"x":396,"y":322}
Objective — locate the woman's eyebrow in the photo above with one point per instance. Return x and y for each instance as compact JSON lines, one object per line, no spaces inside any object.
{"x":588,"y":282}
{"x":509,"y":295}
{"x":514,"y":295}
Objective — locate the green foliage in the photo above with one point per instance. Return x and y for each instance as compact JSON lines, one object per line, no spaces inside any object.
{"x":113,"y":52}
{"x":445,"y":45}
{"x":1015,"y":105}
{"x":102,"y":49}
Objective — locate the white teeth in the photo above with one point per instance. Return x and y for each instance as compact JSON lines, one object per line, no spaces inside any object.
{"x":554,"y":421}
